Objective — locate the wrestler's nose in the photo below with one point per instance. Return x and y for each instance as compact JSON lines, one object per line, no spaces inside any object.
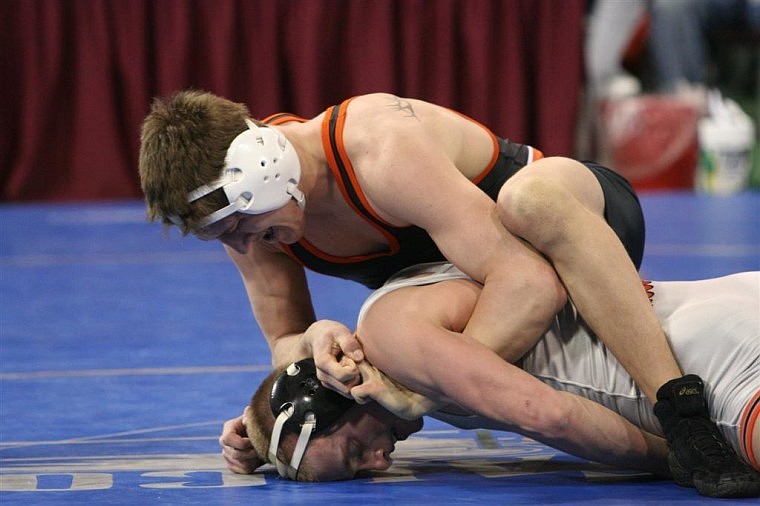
{"x":377,"y":460}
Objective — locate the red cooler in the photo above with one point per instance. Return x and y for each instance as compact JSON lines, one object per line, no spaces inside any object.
{"x":651,"y":140}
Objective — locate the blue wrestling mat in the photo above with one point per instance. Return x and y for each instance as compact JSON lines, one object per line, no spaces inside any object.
{"x":122,"y":352}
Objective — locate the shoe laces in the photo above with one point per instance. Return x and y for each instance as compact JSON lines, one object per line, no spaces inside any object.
{"x":705,"y":438}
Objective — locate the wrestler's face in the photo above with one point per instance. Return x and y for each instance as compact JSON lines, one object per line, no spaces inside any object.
{"x":363,"y":442}
{"x":239,"y":230}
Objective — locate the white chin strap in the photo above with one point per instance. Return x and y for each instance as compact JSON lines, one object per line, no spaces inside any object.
{"x":290,"y":470}
{"x":242,"y":203}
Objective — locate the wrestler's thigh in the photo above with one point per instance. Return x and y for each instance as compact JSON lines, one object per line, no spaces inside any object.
{"x":568,"y":174}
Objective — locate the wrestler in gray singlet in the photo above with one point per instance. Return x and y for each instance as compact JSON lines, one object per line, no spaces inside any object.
{"x":714,"y":329}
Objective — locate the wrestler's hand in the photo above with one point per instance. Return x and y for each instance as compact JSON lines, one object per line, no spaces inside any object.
{"x":393,"y":396}
{"x":336,"y":352}
{"x":237,"y":449}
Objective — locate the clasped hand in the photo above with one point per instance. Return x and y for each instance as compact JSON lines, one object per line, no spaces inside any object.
{"x":341,"y":367}
{"x":336,"y":352}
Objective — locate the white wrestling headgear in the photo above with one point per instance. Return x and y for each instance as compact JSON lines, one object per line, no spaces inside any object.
{"x":261,"y":173}
{"x":301,"y":404}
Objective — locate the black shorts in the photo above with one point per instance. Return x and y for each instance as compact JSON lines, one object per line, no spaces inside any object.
{"x":622,"y":210}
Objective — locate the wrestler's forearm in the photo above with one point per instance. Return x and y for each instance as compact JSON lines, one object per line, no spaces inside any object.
{"x":490,"y":387}
{"x":597,"y":433}
{"x":510,"y":319}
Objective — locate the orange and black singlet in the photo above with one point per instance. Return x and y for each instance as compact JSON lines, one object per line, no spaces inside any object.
{"x":407,"y":245}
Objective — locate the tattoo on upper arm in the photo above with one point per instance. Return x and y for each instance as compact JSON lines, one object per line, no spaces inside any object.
{"x":404,"y":106}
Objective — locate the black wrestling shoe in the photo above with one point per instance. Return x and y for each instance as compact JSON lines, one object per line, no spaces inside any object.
{"x":699,"y":455}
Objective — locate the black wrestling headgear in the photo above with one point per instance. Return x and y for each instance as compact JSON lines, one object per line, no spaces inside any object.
{"x":300,"y":402}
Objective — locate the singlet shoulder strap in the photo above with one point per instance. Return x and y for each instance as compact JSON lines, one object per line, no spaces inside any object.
{"x":340,"y":164}
{"x":282,"y":117}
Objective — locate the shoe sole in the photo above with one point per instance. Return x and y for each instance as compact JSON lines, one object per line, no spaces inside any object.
{"x":733,"y":485}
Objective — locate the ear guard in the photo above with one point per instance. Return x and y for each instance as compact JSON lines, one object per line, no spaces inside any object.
{"x":261,"y":173}
{"x":300,"y":402}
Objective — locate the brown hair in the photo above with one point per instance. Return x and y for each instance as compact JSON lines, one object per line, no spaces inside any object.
{"x":183,"y":144}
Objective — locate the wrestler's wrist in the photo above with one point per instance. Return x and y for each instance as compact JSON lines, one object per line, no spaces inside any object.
{"x":291,"y":348}
{"x":305,"y":345}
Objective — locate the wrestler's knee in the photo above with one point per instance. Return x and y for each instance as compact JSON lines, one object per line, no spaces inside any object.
{"x":535,"y":206}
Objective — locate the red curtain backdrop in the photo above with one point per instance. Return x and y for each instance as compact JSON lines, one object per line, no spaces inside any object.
{"x":78,"y":75}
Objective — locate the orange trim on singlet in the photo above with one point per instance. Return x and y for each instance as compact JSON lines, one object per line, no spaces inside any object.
{"x":749,"y":420}
{"x":282,"y":117}
{"x":341,"y":123}
{"x":289,"y":252}
{"x":492,"y":162}
{"x":537,"y":154}
{"x":341,"y":260}
{"x":332,"y":163}
{"x":648,"y":288}
{"x":494,"y":140}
